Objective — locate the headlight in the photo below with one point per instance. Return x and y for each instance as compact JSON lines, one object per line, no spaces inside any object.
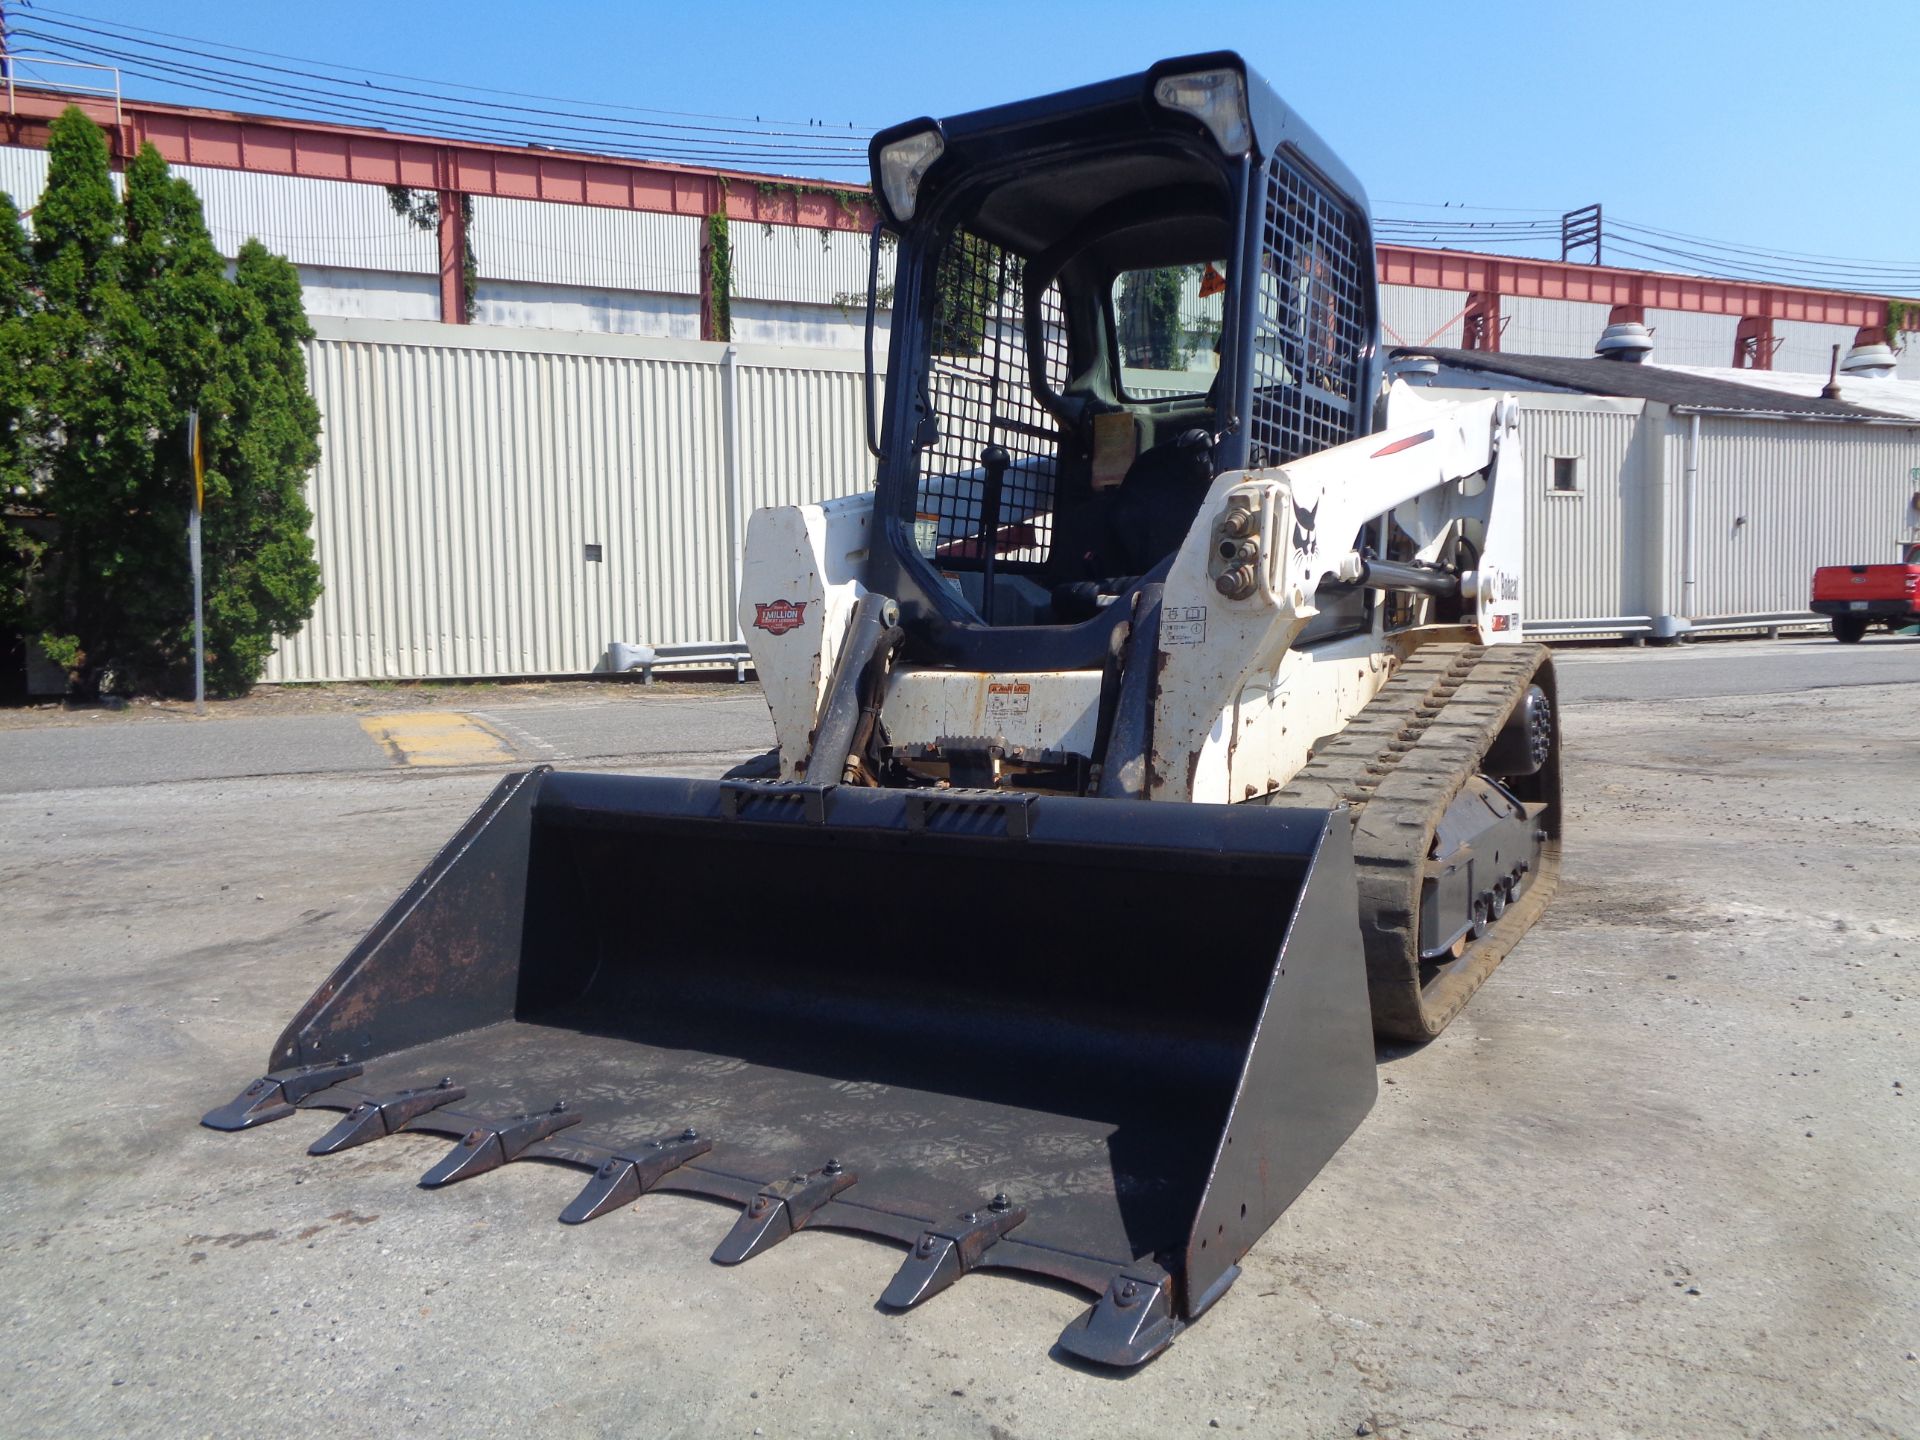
{"x":901,"y":166}
{"x":1217,"y":98}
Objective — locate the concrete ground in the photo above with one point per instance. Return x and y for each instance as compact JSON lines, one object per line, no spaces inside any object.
{"x":1659,"y":1179}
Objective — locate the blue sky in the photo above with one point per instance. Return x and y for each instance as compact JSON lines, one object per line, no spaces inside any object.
{"x":1782,"y":127}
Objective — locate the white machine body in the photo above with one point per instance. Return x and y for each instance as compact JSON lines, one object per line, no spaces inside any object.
{"x":1244,"y":691}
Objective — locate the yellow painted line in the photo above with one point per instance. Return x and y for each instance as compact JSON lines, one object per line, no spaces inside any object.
{"x":437,"y":738}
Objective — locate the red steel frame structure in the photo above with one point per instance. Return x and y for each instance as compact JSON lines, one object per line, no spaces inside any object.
{"x":1630,"y":293}
{"x":454,"y":168}
{"x":271,"y":145}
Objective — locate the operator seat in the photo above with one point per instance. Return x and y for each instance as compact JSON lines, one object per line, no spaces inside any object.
{"x":1145,"y":518}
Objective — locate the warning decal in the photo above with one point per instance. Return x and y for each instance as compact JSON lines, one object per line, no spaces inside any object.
{"x":1007,"y":699}
{"x":1183,"y":625}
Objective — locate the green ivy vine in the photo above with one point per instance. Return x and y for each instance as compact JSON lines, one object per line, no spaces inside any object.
{"x":1897,"y":313}
{"x":719,"y":258}
{"x":421,"y":209}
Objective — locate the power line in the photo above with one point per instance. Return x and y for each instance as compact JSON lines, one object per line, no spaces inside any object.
{"x":331,"y":105}
{"x":367,"y":103}
{"x":566,"y":124}
{"x":1851,"y":262}
{"x":1853,"y":265}
{"x":333,"y":98}
{"x":336,"y":110}
{"x":1461,"y":205}
{"x":1542,"y":227}
{"x":123,"y":25}
{"x":1390,"y":228}
{"x":1663,"y":257}
{"x":1644,"y":244}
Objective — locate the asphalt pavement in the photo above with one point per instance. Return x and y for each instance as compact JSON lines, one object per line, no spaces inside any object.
{"x":88,"y":749}
{"x":644,"y":731}
{"x":1702,"y":669}
{"x":1656,"y":1181}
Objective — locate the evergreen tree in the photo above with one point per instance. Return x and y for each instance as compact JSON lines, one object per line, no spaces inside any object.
{"x":76,"y":226}
{"x":967,"y":295}
{"x":98,"y":404}
{"x":1149,"y":319}
{"x":139,"y":326}
{"x":262,"y":439}
{"x":18,"y":549}
{"x":175,"y":284}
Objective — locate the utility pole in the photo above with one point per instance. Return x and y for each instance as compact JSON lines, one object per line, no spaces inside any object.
{"x":6,"y":42}
{"x":1578,"y":229}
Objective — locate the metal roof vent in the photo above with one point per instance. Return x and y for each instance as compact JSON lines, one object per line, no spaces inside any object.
{"x":1868,"y":362}
{"x":1629,"y":342}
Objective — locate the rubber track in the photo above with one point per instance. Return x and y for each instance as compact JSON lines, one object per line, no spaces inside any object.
{"x":1398,"y":765}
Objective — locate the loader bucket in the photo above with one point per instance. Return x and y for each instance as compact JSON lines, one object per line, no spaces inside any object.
{"x":1102,"y":1041}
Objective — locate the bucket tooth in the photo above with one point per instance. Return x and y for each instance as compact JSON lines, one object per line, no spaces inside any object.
{"x":780,"y":1209}
{"x":628,"y":1175}
{"x":376,"y":1119}
{"x":488,"y":1147}
{"x":273,"y":1096}
{"x":944,"y":1254}
{"x":1133,"y":1322}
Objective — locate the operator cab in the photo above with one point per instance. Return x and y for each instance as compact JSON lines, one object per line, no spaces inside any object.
{"x":1077,"y":353}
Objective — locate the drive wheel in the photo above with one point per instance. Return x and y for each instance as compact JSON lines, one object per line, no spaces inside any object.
{"x":1848,"y":629}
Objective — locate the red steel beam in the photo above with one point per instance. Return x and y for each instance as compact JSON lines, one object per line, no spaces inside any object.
{"x":1608,"y":285}
{"x":1480,"y":322}
{"x":273,"y":145}
{"x":453,"y":257}
{"x":280,"y":146}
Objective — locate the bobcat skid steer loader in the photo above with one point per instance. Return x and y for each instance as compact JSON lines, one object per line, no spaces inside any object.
{"x":1154,"y":735}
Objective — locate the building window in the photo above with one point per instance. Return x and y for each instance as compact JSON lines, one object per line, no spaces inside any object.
{"x":1563,"y":474}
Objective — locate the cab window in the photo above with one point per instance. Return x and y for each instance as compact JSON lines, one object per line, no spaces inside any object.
{"x":1167,"y":326}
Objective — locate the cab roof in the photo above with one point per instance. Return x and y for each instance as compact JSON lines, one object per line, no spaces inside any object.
{"x":1061,"y":158}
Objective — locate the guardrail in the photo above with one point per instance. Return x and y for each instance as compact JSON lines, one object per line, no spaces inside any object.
{"x":1672,"y":626}
{"x":717,"y":655}
{"x":1598,"y":625}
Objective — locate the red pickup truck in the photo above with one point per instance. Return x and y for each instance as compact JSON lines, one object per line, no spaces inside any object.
{"x":1857,"y":596}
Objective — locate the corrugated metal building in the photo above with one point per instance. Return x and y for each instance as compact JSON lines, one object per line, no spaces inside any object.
{"x":539,"y":265}
{"x":1685,"y":502}
{"x":469,"y":472}
{"x":581,"y":268}
{"x":502,"y":502}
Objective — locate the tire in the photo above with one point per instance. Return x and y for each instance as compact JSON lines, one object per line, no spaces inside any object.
{"x":1848,"y":629}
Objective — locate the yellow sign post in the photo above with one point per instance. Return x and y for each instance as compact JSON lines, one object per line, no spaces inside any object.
{"x":193,"y":554}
